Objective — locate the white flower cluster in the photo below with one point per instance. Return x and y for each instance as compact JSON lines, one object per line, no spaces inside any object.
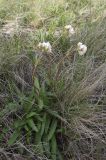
{"x":70,"y":29}
{"x":45,"y":46}
{"x":82,"y":48}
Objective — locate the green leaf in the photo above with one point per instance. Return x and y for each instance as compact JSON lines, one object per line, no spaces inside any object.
{"x":19,"y":123}
{"x":48,"y":121}
{"x":31,"y":114}
{"x":52,"y":129}
{"x":32,"y":125}
{"x":12,"y":106}
{"x":35,"y":116}
{"x":39,"y":118}
{"x":36,"y":83}
{"x":28,"y":137}
{"x":38,"y":140}
{"x":43,"y":124}
{"x":51,"y":94}
{"x":44,"y":96}
{"x":27,"y":104}
{"x":39,"y":126}
{"x":26,"y":128}
{"x":40,"y":103}
{"x":13,"y":138}
{"x":55,"y":114}
{"x":4,"y":131}
{"x":53,"y":148}
{"x":46,"y":145}
{"x":31,"y":95}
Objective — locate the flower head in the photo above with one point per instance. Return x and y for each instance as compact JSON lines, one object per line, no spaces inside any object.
{"x":82,"y":48}
{"x":70,"y":29}
{"x":45,"y":46}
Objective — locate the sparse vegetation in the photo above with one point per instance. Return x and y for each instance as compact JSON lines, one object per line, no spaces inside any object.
{"x":52,"y":80}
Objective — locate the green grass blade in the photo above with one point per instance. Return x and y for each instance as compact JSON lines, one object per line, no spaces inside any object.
{"x":36,"y":83}
{"x":52,"y":129}
{"x":48,"y":121}
{"x":43,"y":124}
{"x":32,"y":125}
{"x":53,"y":148}
{"x":31,"y":114}
{"x":13,"y":138}
{"x":40,"y":103}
